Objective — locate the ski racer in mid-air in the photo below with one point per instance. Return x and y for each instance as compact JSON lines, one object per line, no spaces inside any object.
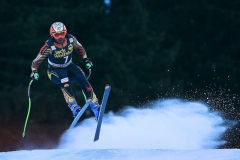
{"x":62,"y":70}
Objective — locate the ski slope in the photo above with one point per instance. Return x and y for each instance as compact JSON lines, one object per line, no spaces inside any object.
{"x":122,"y":154}
{"x":170,"y":129}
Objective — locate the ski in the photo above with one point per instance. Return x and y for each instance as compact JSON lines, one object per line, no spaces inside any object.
{"x":100,"y":117}
{"x":80,"y":114}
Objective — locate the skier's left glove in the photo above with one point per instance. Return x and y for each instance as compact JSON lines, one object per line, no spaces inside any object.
{"x":34,"y":75}
{"x":88,"y":63}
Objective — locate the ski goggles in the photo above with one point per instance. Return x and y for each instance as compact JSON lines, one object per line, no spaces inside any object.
{"x":59,"y":35}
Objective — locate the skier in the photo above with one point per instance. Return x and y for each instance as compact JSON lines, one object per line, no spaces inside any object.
{"x":61,"y":69}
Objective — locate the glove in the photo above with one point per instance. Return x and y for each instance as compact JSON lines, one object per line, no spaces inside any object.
{"x":88,"y":63}
{"x":34,"y":75}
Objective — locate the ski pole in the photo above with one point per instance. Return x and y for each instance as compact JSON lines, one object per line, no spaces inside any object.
{"x":89,"y":74}
{"x":29,"y":108}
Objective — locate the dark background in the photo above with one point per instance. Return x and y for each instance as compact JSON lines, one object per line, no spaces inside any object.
{"x":146,"y":50}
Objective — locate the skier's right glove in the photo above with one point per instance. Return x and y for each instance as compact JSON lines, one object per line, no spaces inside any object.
{"x":34,"y":75}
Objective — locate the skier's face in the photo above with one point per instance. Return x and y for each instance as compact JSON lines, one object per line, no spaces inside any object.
{"x":59,"y":40}
{"x":59,"y":37}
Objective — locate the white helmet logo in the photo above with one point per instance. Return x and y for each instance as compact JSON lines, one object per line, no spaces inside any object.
{"x":57,"y":26}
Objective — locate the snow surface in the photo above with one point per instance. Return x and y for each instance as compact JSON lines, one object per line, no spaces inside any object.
{"x":168,"y":130}
{"x":122,"y":154}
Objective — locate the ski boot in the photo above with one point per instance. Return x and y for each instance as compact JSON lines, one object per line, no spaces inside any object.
{"x":95,"y":108}
{"x":75,"y":108}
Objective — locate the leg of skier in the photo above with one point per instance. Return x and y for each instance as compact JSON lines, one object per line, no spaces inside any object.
{"x":76,"y":73}
{"x":59,"y":76}
{"x":69,"y":97}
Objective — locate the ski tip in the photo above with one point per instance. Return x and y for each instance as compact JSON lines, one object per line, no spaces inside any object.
{"x":107,"y":86}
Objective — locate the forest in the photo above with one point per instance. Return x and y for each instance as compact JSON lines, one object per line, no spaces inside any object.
{"x":146,"y":50}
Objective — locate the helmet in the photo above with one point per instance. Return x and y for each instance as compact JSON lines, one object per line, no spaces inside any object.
{"x":58,"y":31}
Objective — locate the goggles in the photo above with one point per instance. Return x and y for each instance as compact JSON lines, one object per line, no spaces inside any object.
{"x":59,"y":35}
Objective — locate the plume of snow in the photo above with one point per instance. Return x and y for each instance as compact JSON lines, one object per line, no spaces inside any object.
{"x":168,"y":124}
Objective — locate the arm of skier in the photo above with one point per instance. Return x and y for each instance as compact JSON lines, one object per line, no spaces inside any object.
{"x":82,"y":53}
{"x":44,"y":51}
{"x":78,"y":46}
